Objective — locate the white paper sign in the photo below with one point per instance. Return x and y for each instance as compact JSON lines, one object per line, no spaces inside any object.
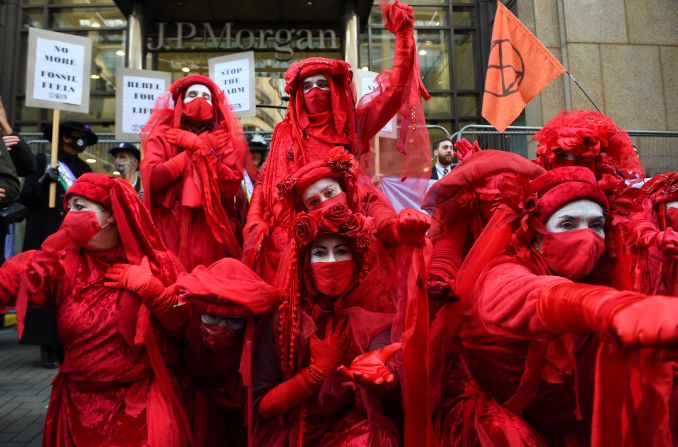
{"x":58,"y":70}
{"x":365,"y":83}
{"x":136,"y":92}
{"x":234,"y":74}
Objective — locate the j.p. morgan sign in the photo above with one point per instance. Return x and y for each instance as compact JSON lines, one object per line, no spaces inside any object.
{"x":206,"y":35}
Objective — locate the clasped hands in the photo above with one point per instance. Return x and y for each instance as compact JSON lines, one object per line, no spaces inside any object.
{"x":202,"y":143}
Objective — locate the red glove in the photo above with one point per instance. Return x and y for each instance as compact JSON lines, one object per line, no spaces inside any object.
{"x":188,"y":140}
{"x":326,"y":353}
{"x":652,"y":321}
{"x":369,"y":370}
{"x":140,"y":280}
{"x":218,"y":139}
{"x":412,"y":225}
{"x":325,"y":357}
{"x":463,"y":148}
{"x":398,"y":17}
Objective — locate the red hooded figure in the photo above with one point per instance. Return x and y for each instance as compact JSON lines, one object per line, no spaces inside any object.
{"x":321,"y":115}
{"x":114,"y":386}
{"x":334,"y":326}
{"x":194,"y":157}
{"x":545,"y":357}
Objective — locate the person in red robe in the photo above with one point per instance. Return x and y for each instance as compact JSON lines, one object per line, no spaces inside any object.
{"x":545,"y":357}
{"x":213,"y":309}
{"x":115,"y":385}
{"x":330,"y":329}
{"x":194,"y":157}
{"x":321,"y":115}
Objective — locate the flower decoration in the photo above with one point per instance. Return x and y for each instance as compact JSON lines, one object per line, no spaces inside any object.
{"x":342,"y":161}
{"x":335,"y":219}
{"x":305,"y":229}
{"x":285,"y":186}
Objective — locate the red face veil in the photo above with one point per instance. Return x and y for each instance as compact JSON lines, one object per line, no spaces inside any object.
{"x":572,"y":254}
{"x":81,"y":226}
{"x":198,"y":110}
{"x":333,"y":278}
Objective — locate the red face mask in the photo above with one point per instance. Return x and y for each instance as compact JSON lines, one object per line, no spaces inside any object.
{"x":339,"y":198}
{"x":198,"y":110}
{"x":317,"y":101}
{"x":672,"y":218}
{"x":81,"y":226}
{"x":332,"y":278}
{"x":572,"y":254}
{"x":221,"y":338}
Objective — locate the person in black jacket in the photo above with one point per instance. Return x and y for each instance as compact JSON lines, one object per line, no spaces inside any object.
{"x":16,"y":160}
{"x":74,"y":137}
{"x":443,"y":152}
{"x":42,"y":220}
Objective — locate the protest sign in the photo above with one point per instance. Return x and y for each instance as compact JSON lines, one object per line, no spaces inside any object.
{"x":234,"y":74}
{"x":135,"y":95}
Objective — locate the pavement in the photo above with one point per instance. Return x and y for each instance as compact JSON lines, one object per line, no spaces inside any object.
{"x":25,"y":387}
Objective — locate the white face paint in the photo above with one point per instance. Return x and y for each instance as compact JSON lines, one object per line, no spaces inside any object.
{"x":198,"y":91}
{"x":319,"y":80}
{"x":331,"y":248}
{"x":576,"y":216}
{"x":673,"y":204}
{"x":320,"y":191}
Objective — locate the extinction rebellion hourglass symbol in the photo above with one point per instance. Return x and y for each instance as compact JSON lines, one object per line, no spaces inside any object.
{"x":506,"y":62}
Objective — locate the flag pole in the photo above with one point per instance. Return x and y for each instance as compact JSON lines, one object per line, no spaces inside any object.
{"x":583,"y":91}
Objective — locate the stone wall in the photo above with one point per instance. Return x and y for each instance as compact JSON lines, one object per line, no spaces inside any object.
{"x":623,"y":52}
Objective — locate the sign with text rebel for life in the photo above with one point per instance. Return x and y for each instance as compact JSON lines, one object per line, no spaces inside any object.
{"x":58,"y":71}
{"x":234,"y":74}
{"x":135,"y":97}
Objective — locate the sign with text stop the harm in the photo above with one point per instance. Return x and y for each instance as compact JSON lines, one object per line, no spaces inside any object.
{"x":234,"y":74}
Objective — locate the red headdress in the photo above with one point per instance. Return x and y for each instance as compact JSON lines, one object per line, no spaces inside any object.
{"x":587,"y":133}
{"x":339,"y":165}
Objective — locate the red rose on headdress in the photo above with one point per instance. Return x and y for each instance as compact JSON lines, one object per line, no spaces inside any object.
{"x":583,"y":142}
{"x":285,"y":186}
{"x":335,"y":216}
{"x":528,"y":208}
{"x":305,"y":229}
{"x":342,"y":161}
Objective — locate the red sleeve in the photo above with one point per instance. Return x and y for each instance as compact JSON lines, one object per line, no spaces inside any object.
{"x":506,"y":299}
{"x":159,"y":152}
{"x":167,"y":173}
{"x":11,"y":273}
{"x":374,"y":115}
{"x":449,"y":248}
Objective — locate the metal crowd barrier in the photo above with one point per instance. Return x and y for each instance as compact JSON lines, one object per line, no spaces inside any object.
{"x":658,"y":149}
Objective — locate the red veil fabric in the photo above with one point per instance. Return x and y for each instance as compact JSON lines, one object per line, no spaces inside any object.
{"x":196,"y":216}
{"x":587,"y":133}
{"x":115,"y":353}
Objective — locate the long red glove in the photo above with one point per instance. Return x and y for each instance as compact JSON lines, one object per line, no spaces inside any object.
{"x":636,"y":319}
{"x":369,"y":370}
{"x":139,"y":279}
{"x":325,"y":357}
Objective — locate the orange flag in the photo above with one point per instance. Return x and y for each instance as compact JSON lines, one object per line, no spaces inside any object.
{"x":520,"y":66}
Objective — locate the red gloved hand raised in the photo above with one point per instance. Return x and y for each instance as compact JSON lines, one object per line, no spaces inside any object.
{"x":219,"y":139}
{"x":326,"y":353}
{"x":463,"y":149}
{"x":652,"y":321}
{"x":398,"y":17}
{"x":412,"y":225}
{"x":182,"y":138}
{"x":369,"y":370}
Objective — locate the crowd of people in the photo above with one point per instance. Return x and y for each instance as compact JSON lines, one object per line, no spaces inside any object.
{"x":532,"y":303}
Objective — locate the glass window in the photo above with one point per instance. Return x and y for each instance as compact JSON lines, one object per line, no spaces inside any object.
{"x":430,"y":16}
{"x":464,"y":64}
{"x":467,"y":105}
{"x":438,"y":105}
{"x":68,"y":2}
{"x":33,"y":17}
{"x":101,"y":108}
{"x":463,"y":18}
{"x":87,"y":18}
{"x":434,"y":61}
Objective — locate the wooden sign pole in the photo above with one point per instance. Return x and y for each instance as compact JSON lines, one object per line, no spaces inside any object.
{"x":377,"y":156}
{"x":54,"y":162}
